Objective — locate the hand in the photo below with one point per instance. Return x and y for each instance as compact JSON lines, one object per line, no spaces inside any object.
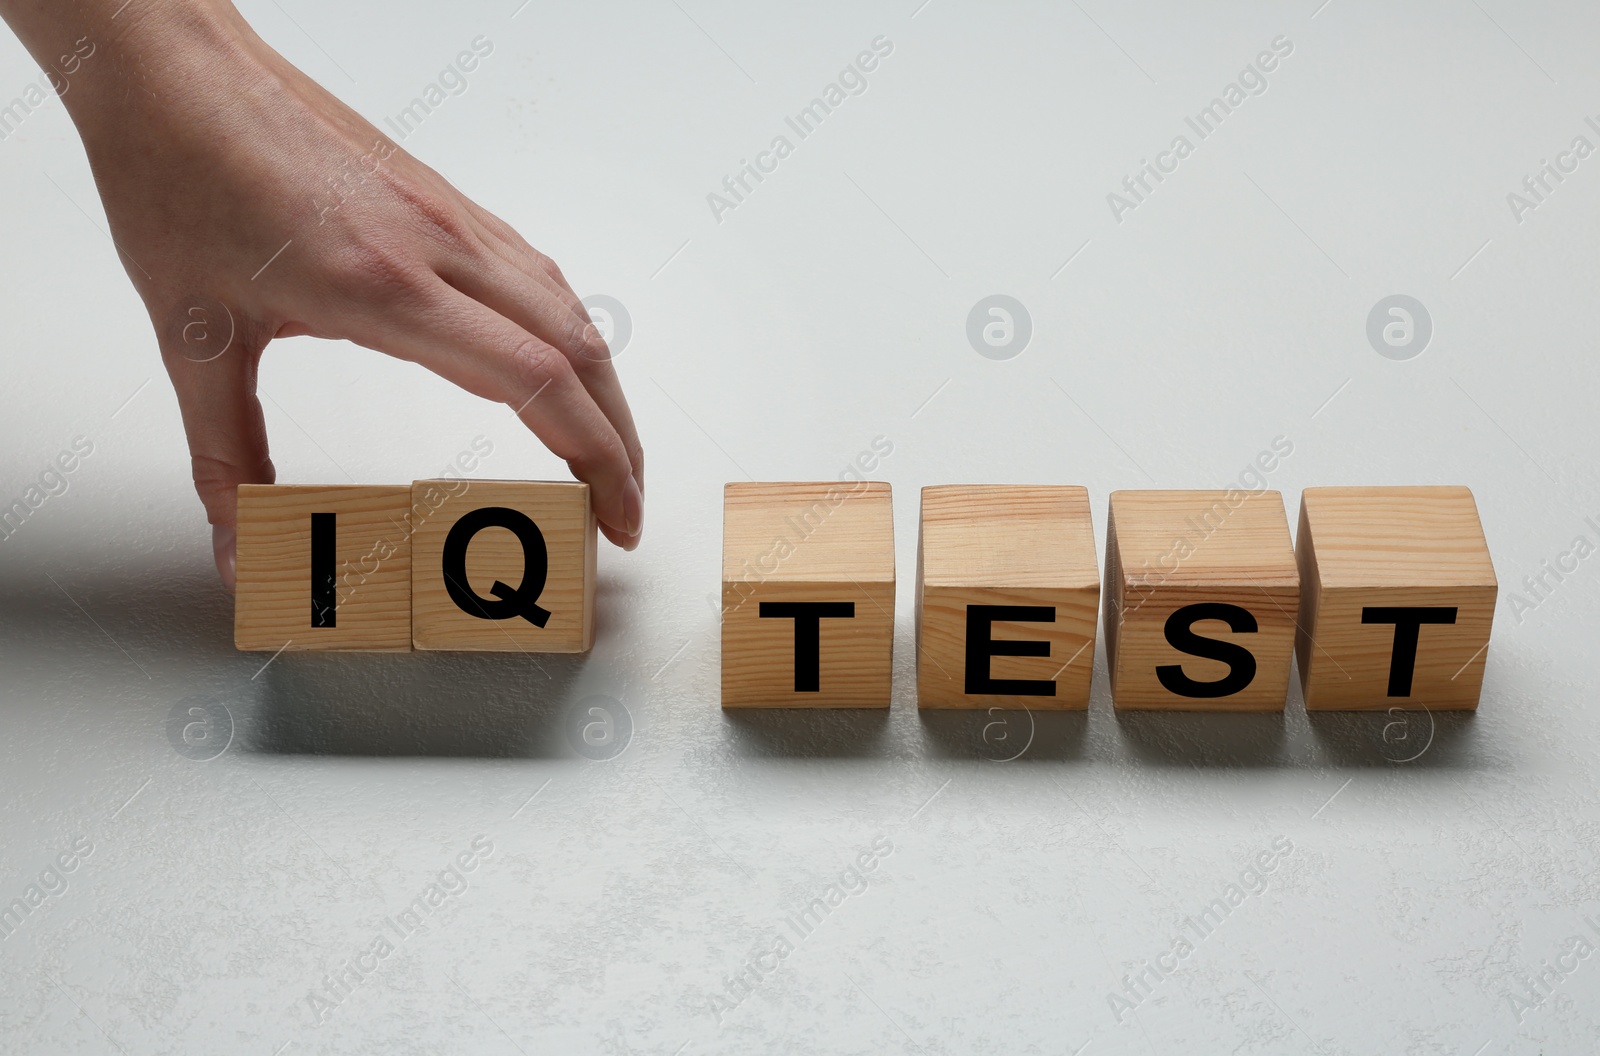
{"x":211,"y":152}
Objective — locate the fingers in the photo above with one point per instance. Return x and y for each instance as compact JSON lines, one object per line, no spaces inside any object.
{"x":532,"y":309}
{"x":508,"y":236}
{"x":508,"y":275}
{"x":509,"y":247}
{"x":472,"y":345}
{"x":226,"y":433}
{"x":562,"y":325}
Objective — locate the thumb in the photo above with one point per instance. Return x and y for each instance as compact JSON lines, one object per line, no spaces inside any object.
{"x":215,"y":382}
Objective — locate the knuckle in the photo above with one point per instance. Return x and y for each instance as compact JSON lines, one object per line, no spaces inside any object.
{"x":435,"y":213}
{"x":546,"y":265}
{"x":500,"y":228}
{"x":600,"y":456}
{"x":561,"y":293}
{"x":534,"y":365}
{"x":371,"y":272}
{"x":217,"y":479}
{"x":587,"y":347}
{"x":606,"y":459}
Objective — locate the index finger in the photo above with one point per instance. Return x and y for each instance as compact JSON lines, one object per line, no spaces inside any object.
{"x":483,"y":352}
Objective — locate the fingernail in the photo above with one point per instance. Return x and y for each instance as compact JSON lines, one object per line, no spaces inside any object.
{"x":224,"y":548}
{"x":632,"y":507}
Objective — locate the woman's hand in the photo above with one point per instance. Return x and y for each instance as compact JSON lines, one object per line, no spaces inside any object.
{"x":248,"y":203}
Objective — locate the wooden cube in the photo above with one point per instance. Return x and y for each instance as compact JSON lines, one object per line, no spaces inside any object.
{"x":1398,"y":598}
{"x":502,"y":566}
{"x":807,"y":595}
{"x":323,"y":568}
{"x":1201,"y":597}
{"x":1008,"y":595}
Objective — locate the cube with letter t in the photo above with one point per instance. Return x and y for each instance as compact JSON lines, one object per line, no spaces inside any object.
{"x":807,"y":595}
{"x":1008,"y":595}
{"x":1398,"y":599}
{"x":1201,"y":596}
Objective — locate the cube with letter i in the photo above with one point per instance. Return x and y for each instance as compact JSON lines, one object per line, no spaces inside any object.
{"x":807,"y":595}
{"x":1008,"y":596}
{"x":1398,"y":598}
{"x":323,"y":567}
{"x":1201,"y":596}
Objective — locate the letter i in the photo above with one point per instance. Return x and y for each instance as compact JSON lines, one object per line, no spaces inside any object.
{"x":324,"y":559}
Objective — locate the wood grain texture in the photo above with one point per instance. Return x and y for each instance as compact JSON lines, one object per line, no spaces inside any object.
{"x":565,"y":518}
{"x":828,"y":542}
{"x":273,"y":594}
{"x":1392,"y":547}
{"x":1021,"y":545}
{"x":1169,"y":549}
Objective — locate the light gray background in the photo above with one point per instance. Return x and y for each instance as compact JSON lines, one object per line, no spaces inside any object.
{"x":828,"y":309}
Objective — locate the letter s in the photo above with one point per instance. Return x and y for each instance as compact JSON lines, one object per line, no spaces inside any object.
{"x":1181,"y":636}
{"x":482,"y":45}
{"x":882,"y":45}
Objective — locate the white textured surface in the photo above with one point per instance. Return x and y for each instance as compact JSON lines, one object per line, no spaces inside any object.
{"x":1221,"y":313}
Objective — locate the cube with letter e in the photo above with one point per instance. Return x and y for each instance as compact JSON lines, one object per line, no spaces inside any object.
{"x":1008,"y":595}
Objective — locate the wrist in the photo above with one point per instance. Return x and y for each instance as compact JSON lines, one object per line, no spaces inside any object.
{"x":115,"y":72}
